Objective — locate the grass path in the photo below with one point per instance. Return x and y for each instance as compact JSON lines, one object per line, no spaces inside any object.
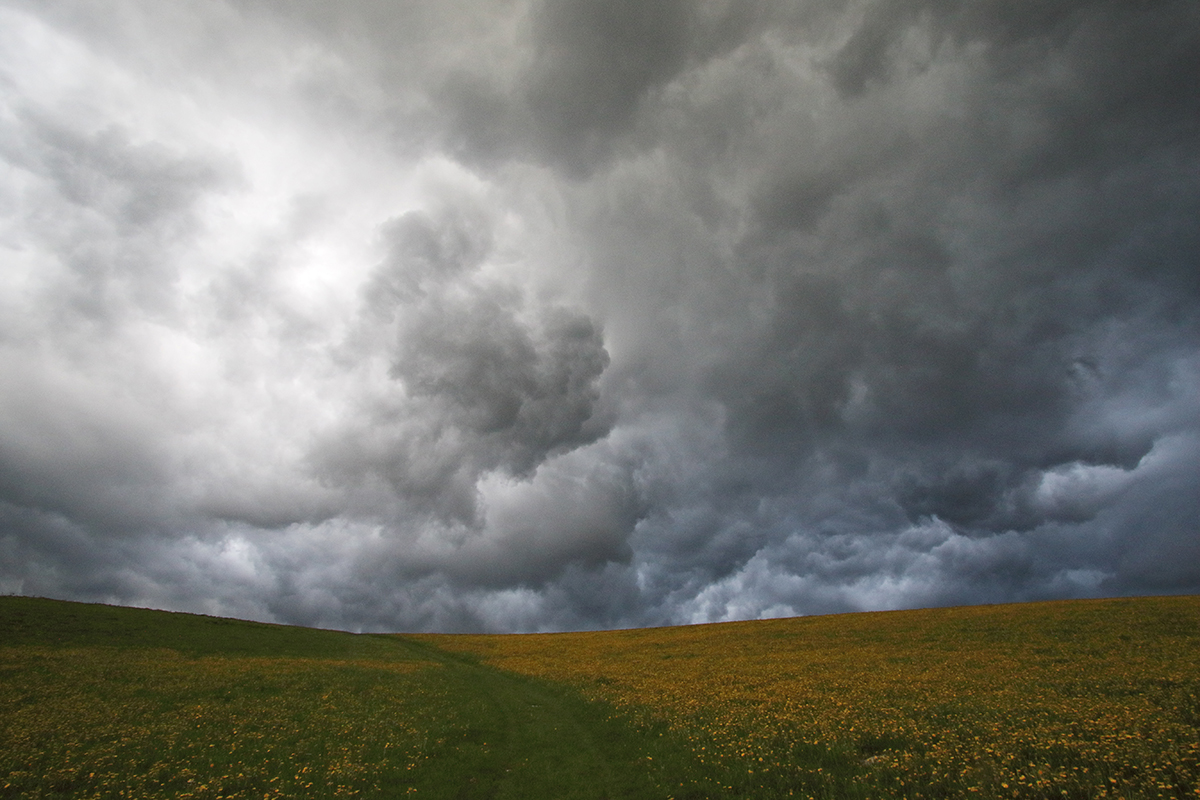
{"x":524,"y":738}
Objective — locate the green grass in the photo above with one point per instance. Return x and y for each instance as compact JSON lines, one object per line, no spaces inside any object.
{"x":100,"y":701}
{"x":1082,"y":700}
{"x":30,"y":621}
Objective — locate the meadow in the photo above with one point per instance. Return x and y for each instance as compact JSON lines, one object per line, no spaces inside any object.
{"x":105,"y":702}
{"x":1079,"y":699}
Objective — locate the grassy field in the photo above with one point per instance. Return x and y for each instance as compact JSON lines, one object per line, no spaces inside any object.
{"x":103,"y":702}
{"x":1079,"y":699}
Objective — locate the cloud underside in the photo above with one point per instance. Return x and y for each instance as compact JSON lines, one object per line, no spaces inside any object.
{"x":536,"y":316}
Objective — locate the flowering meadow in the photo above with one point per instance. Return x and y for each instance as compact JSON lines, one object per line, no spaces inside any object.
{"x":91,"y":723}
{"x":1078,"y":699}
{"x":104,"y":702}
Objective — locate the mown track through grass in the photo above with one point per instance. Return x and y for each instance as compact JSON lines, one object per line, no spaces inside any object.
{"x":526,"y":738}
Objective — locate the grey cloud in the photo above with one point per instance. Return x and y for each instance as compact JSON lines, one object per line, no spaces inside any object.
{"x":592,"y":71}
{"x":899,"y":37}
{"x":571,"y":516}
{"x":134,"y":185}
{"x":593,"y":63}
{"x":1153,"y":530}
{"x":940,"y":300}
{"x":424,"y":251}
{"x":938,"y":336}
{"x":531,"y":392}
{"x":483,"y":381}
{"x":743,"y":311}
{"x":86,"y":457}
{"x":108,"y":208}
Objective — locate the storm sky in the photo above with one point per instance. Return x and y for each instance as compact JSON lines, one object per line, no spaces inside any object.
{"x":569,"y":314}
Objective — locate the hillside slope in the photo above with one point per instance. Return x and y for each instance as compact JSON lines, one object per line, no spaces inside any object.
{"x":99,"y":702}
{"x":1081,"y":699}
{"x":1094,"y":698}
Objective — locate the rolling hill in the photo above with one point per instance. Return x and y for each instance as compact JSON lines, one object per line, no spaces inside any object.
{"x":1082,"y":699}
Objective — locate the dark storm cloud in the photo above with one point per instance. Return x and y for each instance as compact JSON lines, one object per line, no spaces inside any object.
{"x":546,"y":315}
{"x":86,"y":458}
{"x":592,"y":64}
{"x":592,"y":69}
{"x":497,"y":379}
{"x":954,"y":305}
{"x":482,"y":381}
{"x":975,"y":332}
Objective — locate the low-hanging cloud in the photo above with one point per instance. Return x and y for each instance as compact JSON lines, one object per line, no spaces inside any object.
{"x":525,"y":315}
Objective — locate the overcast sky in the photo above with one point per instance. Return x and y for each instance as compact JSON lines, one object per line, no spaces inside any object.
{"x":512,"y":316}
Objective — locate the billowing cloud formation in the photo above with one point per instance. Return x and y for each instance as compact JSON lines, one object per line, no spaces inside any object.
{"x":476,"y":389}
{"x":544,"y":315}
